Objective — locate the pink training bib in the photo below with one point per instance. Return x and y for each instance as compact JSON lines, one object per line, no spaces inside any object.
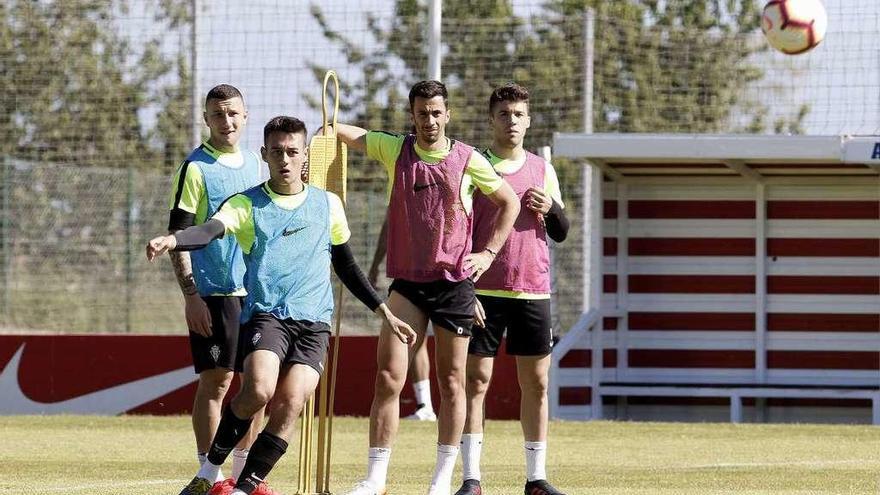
{"x":429,"y":230}
{"x":523,"y":263}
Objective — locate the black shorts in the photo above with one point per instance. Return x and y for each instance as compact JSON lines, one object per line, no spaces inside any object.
{"x":527,"y":322}
{"x":218,"y":350}
{"x":294,"y":341}
{"x":449,"y":305}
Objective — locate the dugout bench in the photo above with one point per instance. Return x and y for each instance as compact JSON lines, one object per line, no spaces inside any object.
{"x":736,"y":393}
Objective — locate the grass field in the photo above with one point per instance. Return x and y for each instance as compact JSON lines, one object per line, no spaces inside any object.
{"x":154,"y":455}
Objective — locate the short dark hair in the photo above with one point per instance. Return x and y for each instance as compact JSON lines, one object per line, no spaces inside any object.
{"x":511,"y":92}
{"x":223,"y":92}
{"x":282,"y":123}
{"x":427,"y":90}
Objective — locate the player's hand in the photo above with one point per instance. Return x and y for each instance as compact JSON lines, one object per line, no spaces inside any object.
{"x":399,"y":328}
{"x":160,"y":245}
{"x":478,"y":263}
{"x":479,"y":314}
{"x":538,"y":201}
{"x":198,"y":317}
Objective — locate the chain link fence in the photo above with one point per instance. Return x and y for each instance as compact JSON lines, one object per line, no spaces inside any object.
{"x":95,"y":117}
{"x":73,"y":254}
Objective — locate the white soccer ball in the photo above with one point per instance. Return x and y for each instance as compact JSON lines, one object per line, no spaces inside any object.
{"x":794,"y":26}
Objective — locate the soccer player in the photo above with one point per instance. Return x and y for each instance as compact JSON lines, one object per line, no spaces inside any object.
{"x":430,"y":260}
{"x":212,"y":279}
{"x":515,"y":291}
{"x":420,"y":364}
{"x":290,"y":234}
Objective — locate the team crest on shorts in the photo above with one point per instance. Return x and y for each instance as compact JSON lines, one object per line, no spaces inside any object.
{"x":215,"y":352}
{"x":256,"y":338}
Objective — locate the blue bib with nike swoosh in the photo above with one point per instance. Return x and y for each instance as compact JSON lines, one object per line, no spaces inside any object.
{"x":288,"y":267}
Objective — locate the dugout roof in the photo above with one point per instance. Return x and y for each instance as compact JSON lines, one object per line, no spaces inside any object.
{"x":752,"y":156}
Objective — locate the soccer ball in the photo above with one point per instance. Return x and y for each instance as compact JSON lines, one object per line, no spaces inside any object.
{"x":794,"y":26}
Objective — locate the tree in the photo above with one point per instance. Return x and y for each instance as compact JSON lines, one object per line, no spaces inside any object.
{"x":379,"y":99}
{"x":79,"y":90}
{"x":674,"y":66}
{"x":76,"y":86}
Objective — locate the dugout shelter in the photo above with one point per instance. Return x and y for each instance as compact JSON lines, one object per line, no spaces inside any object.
{"x":741,"y":271}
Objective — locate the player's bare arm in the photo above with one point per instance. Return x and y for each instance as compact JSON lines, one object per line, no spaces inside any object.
{"x":379,"y":255}
{"x":198,"y":318}
{"x":353,"y":136}
{"x":183,"y":272}
{"x":508,"y":203}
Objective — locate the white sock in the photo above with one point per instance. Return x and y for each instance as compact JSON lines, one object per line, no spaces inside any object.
{"x":202,"y":458}
{"x":239,"y":457}
{"x":210,"y":472}
{"x":238,"y":492}
{"x":423,"y":394}
{"x":441,"y":483}
{"x":536,"y":460}
{"x":471,"y":447}
{"x":377,"y":466}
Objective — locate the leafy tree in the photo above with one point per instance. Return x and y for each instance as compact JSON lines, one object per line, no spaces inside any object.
{"x":75,"y":86}
{"x":379,"y":99}
{"x":673,"y":66}
{"x":79,"y":90}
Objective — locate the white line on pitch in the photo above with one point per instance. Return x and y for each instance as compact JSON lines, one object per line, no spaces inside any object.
{"x":778,"y":463}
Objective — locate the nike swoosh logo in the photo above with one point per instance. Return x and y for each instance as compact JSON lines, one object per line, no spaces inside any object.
{"x":113,"y":400}
{"x":419,"y":187}
{"x":291,"y":232}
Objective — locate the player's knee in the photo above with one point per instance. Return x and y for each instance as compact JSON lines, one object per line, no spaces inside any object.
{"x":534,"y":387}
{"x":215,"y":383}
{"x":254,"y":397}
{"x":451,"y":386}
{"x":389,"y":383}
{"x":477,"y":384}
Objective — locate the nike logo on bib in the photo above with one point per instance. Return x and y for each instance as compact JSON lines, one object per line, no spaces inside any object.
{"x":420,"y":187}
{"x":291,"y":232}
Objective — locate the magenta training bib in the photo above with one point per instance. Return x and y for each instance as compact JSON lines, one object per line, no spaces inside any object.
{"x":523,"y":263}
{"x":429,"y":230}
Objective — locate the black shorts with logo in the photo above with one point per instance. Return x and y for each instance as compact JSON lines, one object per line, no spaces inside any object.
{"x":294,"y":341}
{"x":527,"y":322}
{"x":218,"y":350}
{"x":449,"y":305}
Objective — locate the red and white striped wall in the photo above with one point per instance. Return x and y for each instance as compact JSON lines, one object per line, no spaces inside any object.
{"x":725,"y":259}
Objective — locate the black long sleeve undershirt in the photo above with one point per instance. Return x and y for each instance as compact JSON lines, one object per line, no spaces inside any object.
{"x":199,"y":236}
{"x":353,"y":277}
{"x":344,"y":265}
{"x":557,"y":223}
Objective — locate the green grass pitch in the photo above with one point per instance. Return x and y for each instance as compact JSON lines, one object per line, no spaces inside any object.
{"x":136,"y":455}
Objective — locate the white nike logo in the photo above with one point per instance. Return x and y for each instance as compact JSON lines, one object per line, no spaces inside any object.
{"x":113,"y":400}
